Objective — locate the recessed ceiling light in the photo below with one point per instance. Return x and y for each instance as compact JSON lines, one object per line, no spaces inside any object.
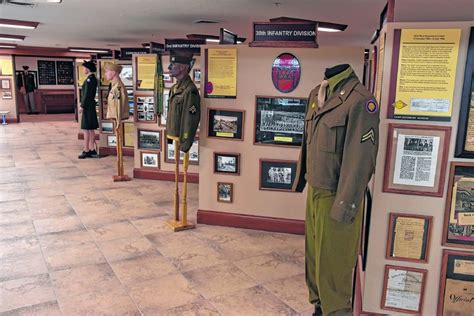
{"x":17,"y":24}
{"x":89,"y":50}
{"x":13,"y":38}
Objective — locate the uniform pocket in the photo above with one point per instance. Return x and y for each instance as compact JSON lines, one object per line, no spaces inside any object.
{"x":332,"y":133}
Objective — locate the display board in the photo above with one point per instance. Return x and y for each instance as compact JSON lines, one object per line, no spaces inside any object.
{"x":47,"y":72}
{"x":65,"y":72}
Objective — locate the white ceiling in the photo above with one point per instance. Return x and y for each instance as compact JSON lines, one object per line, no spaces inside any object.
{"x":128,"y":23}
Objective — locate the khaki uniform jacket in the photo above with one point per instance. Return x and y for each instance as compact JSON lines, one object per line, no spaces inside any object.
{"x":117,"y":102}
{"x":340,"y":146}
{"x":184,"y":113}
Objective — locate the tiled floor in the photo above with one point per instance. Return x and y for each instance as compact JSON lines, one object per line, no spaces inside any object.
{"x":72,"y":242}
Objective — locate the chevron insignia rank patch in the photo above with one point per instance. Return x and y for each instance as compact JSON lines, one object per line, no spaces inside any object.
{"x":369,"y":135}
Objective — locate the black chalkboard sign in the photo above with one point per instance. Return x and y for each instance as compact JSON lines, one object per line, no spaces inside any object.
{"x":65,"y":72}
{"x":47,"y":72}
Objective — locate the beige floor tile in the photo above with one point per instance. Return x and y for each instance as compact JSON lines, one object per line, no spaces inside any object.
{"x":58,"y":258}
{"x":134,"y":212}
{"x":239,"y":248}
{"x":92,"y":206}
{"x":44,"y":309}
{"x":19,"y":230}
{"x":14,"y":217}
{"x":114,"y":302}
{"x":19,"y":246}
{"x":199,"y":308}
{"x":292,"y":291}
{"x":99,"y":218}
{"x":46,"y":191}
{"x":219,"y":280}
{"x":13,"y":206}
{"x":270,"y":267}
{"x":65,"y":239}
{"x":155,"y":296}
{"x":58,"y":224}
{"x":115,"y":231}
{"x":120,"y":249}
{"x":169,"y":242}
{"x":154,"y":225}
{"x":6,"y":196}
{"x":141,"y":269}
{"x":22,"y":266}
{"x":187,"y":259}
{"x":25,"y":292}
{"x":51,"y":212}
{"x":80,"y":280}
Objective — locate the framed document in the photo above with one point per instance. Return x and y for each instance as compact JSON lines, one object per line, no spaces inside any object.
{"x":465,"y":137}
{"x":227,"y":163}
{"x":279,"y":121}
{"x":456,"y":294}
{"x":150,"y":140}
{"x":458,"y":230}
{"x":225,"y":192}
{"x":409,"y":237}
{"x":221,"y":73}
{"x":107,"y":127}
{"x":128,"y":134}
{"x":150,"y":159}
{"x":111,"y":141}
{"x":193,"y":152}
{"x":403,"y":289}
{"x":416,"y":159}
{"x":277,"y":175}
{"x":226,"y":124}
{"x":145,"y":109}
{"x":6,"y":84}
{"x":146,"y":72}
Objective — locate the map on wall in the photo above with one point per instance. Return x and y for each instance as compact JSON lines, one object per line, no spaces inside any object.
{"x":47,"y":72}
{"x":65,"y":72}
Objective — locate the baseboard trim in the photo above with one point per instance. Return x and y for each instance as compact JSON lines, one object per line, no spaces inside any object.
{"x":10,"y":120}
{"x":81,"y":136}
{"x":163,"y":175}
{"x":272,"y":224}
{"x":110,"y":151}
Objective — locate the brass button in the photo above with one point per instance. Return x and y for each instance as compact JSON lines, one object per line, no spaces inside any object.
{"x":343,"y":92}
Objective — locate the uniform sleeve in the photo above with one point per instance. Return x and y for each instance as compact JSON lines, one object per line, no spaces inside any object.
{"x":190,"y":119}
{"x":358,"y":161}
{"x":19,"y":81}
{"x":88,"y":95}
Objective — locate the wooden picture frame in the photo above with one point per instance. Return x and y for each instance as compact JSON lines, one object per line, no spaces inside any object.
{"x":277,"y":175}
{"x":150,"y":159}
{"x":421,"y":145}
{"x":225,"y":192}
{"x":145,"y":109}
{"x":107,"y":127}
{"x":408,"y":236}
{"x":146,"y":139}
{"x":128,"y":138}
{"x":193,"y":152}
{"x":222,"y":166}
{"x":395,"y":277}
{"x":111,"y":140}
{"x":5,"y":84}
{"x":456,"y":283}
{"x":458,"y":228}
{"x":225,"y":124}
{"x":466,"y":114}
{"x":275,"y":112}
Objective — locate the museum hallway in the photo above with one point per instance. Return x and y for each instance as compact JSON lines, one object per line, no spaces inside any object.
{"x":72,"y":242}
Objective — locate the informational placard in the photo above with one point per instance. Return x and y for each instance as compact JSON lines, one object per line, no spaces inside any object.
{"x":425,"y":74}
{"x":282,"y":34}
{"x":221,"y":74}
{"x":146,"y":72}
{"x":65,"y":72}
{"x":403,"y":289}
{"x":126,"y":53}
{"x":47,"y":72}
{"x":6,"y":67}
{"x":182,"y":44}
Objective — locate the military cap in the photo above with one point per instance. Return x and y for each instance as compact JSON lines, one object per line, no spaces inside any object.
{"x":113,"y":67}
{"x":89,"y":65}
{"x":181,"y":58}
{"x":25,"y":67}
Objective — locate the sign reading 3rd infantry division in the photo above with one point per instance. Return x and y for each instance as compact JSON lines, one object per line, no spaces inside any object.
{"x":221,"y":74}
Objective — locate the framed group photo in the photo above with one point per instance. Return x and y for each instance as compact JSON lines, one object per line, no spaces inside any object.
{"x":416,"y":159}
{"x":193,"y":152}
{"x":150,"y":159}
{"x":227,"y":163}
{"x":277,"y":175}
{"x":150,"y":140}
{"x":226,"y":124}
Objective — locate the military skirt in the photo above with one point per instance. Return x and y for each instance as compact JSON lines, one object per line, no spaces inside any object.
{"x":89,"y":118}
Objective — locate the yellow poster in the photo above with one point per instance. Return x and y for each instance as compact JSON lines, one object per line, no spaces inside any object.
{"x":426,"y":73}
{"x":102,"y":63}
{"x":80,"y":75}
{"x":221,"y":73}
{"x":6,"y":67}
{"x":128,"y":134}
{"x":146,"y":72}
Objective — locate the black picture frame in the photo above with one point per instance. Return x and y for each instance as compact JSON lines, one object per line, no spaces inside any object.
{"x":149,"y":140}
{"x":274,"y":175}
{"x":467,"y":103}
{"x":275,"y":114}
{"x":226,"y":124}
{"x":228,"y":164}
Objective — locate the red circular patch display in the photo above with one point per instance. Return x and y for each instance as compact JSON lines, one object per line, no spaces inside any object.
{"x":286,"y":72}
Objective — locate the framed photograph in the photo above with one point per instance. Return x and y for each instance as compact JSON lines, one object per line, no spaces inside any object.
{"x":104,"y":94}
{"x":150,"y":159}
{"x":416,"y":159}
{"x":403,"y":289}
{"x":225,"y":192}
{"x":6,"y":84}
{"x":465,"y":136}
{"x":127,"y":75}
{"x":279,"y":121}
{"x":107,"y":127}
{"x":111,"y":141}
{"x":131,"y":102}
{"x":226,"y":124}
{"x":167,"y":77}
{"x":456,"y":294}
{"x":7,"y":95}
{"x":193,"y":152}
{"x":197,"y":75}
{"x":128,"y":134}
{"x":150,"y":140}
{"x":458,"y":230}
{"x":145,"y":109}
{"x":409,"y":237}
{"x":277,"y":175}
{"x":164,"y":114}
{"x":227,"y":163}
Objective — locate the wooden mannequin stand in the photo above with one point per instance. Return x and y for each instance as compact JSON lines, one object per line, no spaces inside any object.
{"x":121,"y":176}
{"x":175,"y":223}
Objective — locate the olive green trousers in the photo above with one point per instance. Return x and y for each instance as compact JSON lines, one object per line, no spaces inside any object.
{"x":331,"y":254}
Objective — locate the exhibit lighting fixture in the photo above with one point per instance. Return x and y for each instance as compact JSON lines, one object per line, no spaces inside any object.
{"x":212,"y":40}
{"x":17,"y":24}
{"x":88,"y":50}
{"x":7,"y":45}
{"x":12,"y":38}
{"x":331,"y":27}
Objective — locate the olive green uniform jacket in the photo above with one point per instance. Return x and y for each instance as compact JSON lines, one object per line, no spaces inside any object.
{"x":340,"y":146}
{"x":184,"y":113}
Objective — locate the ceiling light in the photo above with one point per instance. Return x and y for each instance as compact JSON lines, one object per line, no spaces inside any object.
{"x":7,"y":46}
{"x":89,"y":50}
{"x":32,"y":2}
{"x":17,"y":24}
{"x":212,"y":40}
{"x":325,"y":29}
{"x":331,"y":27}
{"x":13,"y":38}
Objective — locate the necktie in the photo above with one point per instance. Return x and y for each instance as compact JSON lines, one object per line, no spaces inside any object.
{"x":322,"y":93}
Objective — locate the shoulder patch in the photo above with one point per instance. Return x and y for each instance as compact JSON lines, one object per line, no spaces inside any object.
{"x":193,"y":109}
{"x":369,"y":135}
{"x":88,"y":80}
{"x":371,"y":106}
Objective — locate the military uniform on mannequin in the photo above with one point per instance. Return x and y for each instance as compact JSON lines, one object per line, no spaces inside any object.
{"x":26,"y":84}
{"x":337,"y":160}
